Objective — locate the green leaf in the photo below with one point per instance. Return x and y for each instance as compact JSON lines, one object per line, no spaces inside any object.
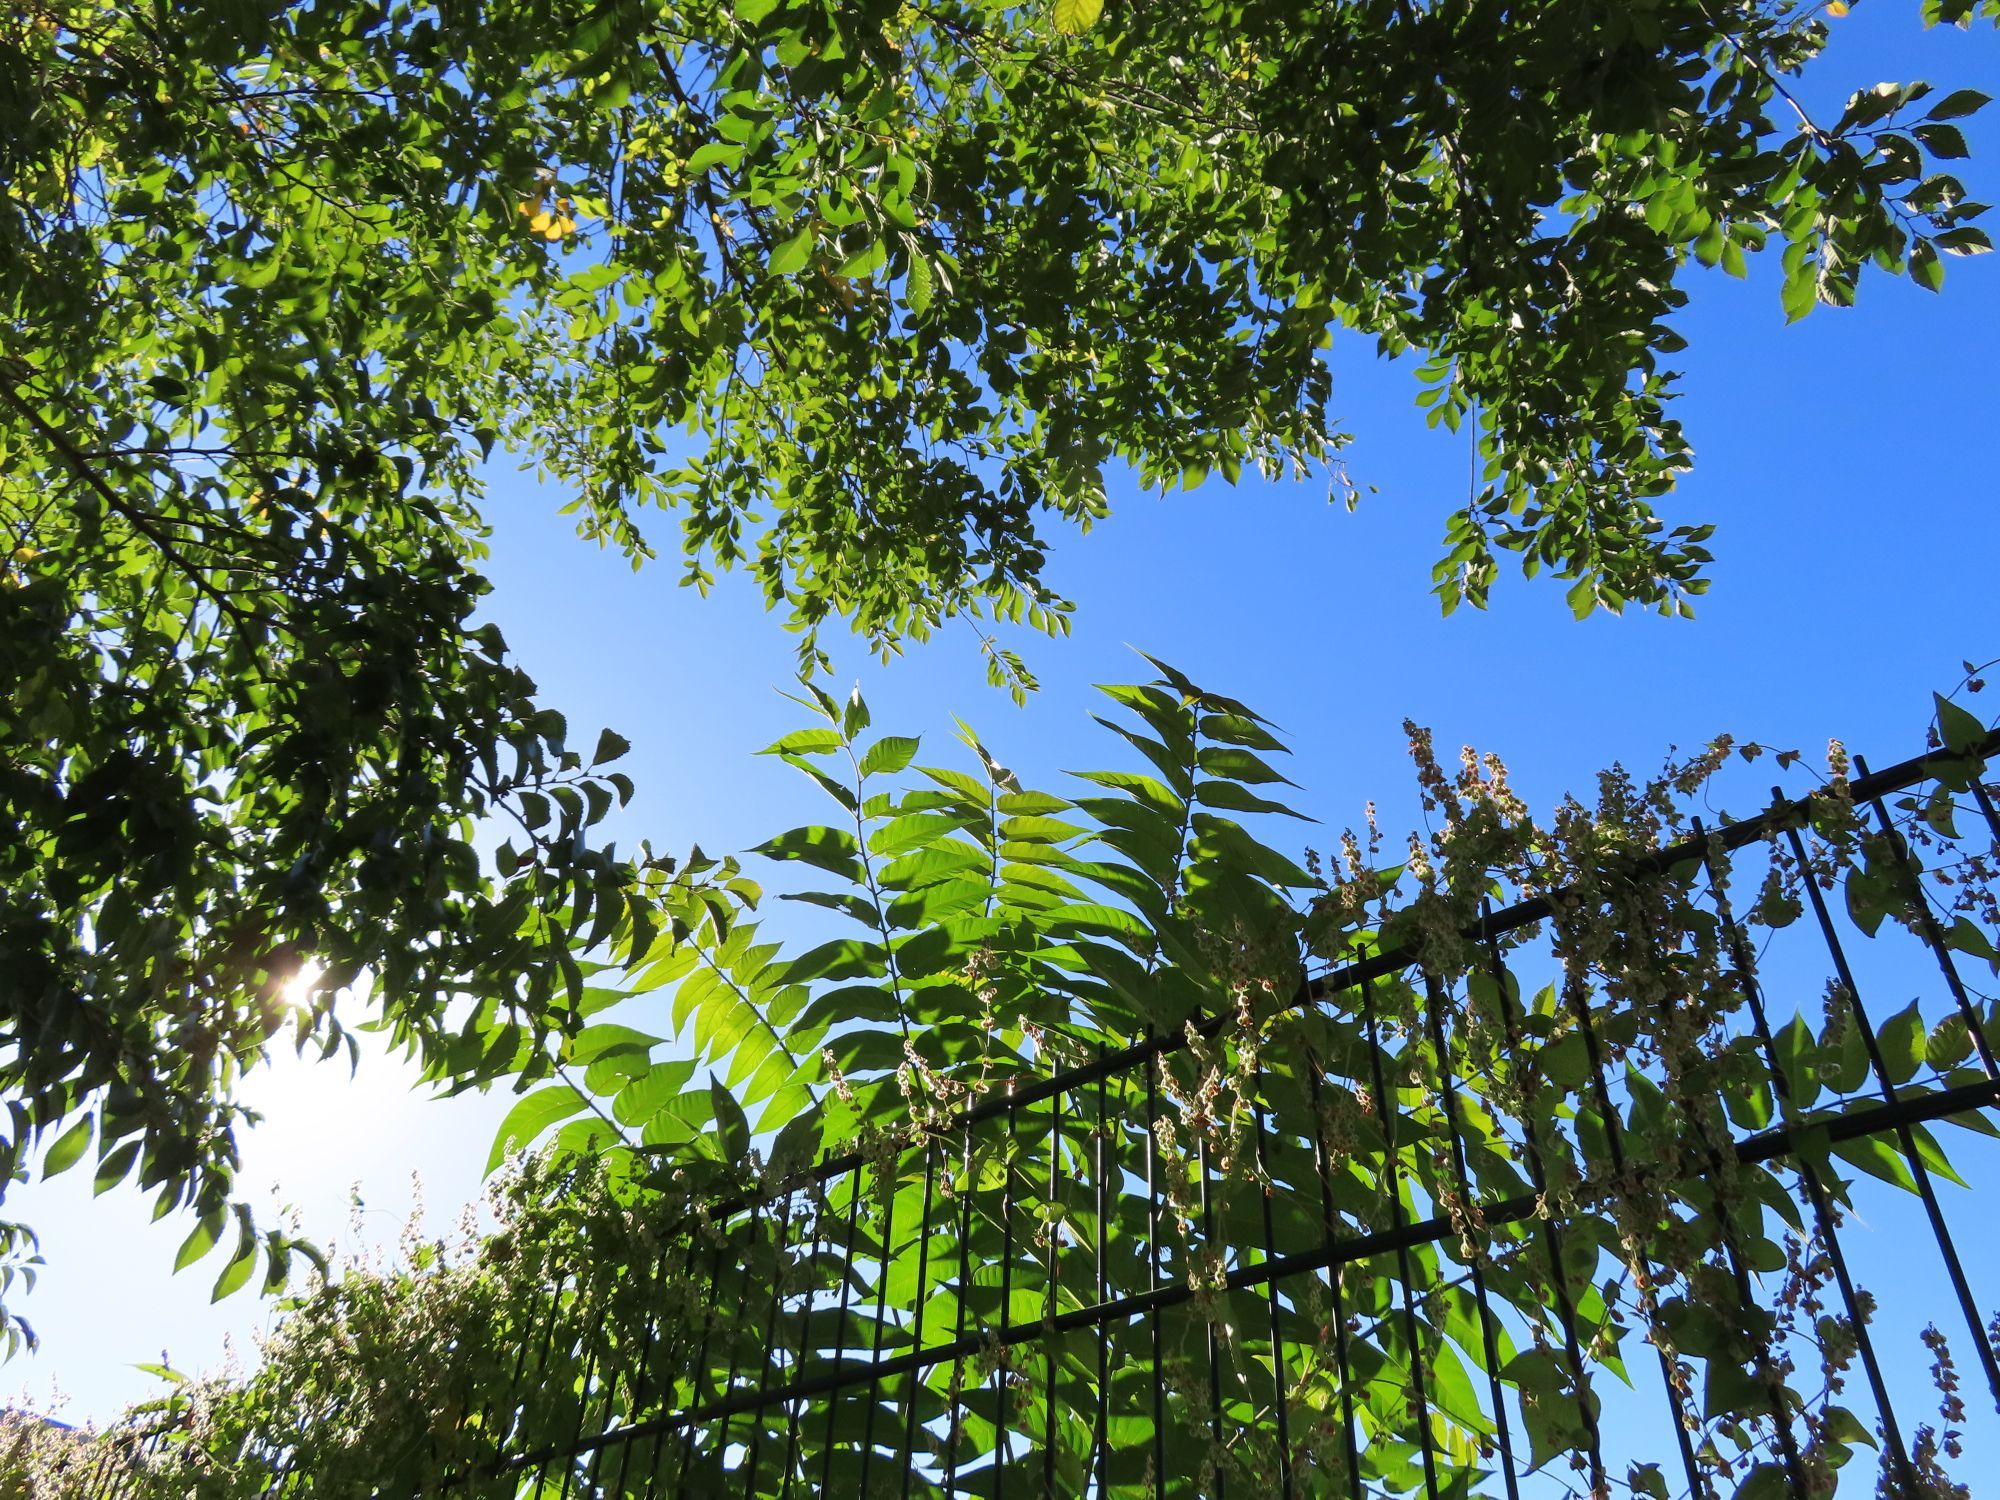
{"x":734,"y":1128}
{"x":797,"y":1145}
{"x":1239,"y":729}
{"x":1165,"y":714}
{"x":610,"y":746}
{"x":1799,"y":294}
{"x":1798,"y":1055}
{"x":1926,"y":270}
{"x":976,"y":792}
{"x":1765,"y":1482}
{"x":929,"y":865}
{"x":1843,"y":1426}
{"x":805,"y":742}
{"x":714,"y":154}
{"x":861,"y":265}
{"x":921,"y":285}
{"x":1903,"y":1042}
{"x":531,"y":1115}
{"x":888,"y":755}
{"x":1946,"y":142}
{"x":69,"y":1149}
{"x":1958,"y":104}
{"x":201,"y":1240}
{"x":1143,"y":789}
{"x":1073,"y":17}
{"x":899,"y":835}
{"x":681,"y":1119}
{"x":792,"y":255}
{"x":236,"y":1274}
{"x":831,"y":849}
{"x":1237,"y":764}
{"x":115,"y":1167}
{"x":1031,"y":804}
{"x":1553,"y":1416}
{"x":1968,"y":937}
{"x":1582,"y":597}
{"x":614,"y":1065}
{"x":1961,"y":732}
{"x":1231,"y":797}
{"x":1031,"y":828}
{"x":1875,"y":1156}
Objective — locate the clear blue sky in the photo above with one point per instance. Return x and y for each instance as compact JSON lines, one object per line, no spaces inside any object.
{"x":1845,"y":459}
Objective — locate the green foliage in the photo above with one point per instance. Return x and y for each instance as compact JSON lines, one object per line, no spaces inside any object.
{"x":386,"y":1377}
{"x":872,"y":295}
{"x":978,"y":915}
{"x":796,"y":1183}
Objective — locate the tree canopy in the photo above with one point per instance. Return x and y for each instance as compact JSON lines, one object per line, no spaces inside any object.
{"x":872,"y":295}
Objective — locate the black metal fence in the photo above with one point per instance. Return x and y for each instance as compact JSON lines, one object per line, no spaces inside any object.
{"x":1378,"y":1280}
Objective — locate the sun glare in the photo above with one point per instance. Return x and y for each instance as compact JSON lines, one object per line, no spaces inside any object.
{"x":298,"y":989}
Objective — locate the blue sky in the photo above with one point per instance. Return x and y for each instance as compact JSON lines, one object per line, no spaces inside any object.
{"x":1844,"y":460}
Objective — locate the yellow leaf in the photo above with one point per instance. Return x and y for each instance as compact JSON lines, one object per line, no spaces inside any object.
{"x":1836,"y":8}
{"x":541,"y":221}
{"x":1075,"y":16}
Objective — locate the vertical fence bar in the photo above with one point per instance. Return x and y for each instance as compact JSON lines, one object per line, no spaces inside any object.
{"x":795,"y":1407}
{"x":1336,"y":1296}
{"x":681,"y":1340}
{"x":698,"y":1375}
{"x":1614,"y":1142}
{"x":1214,"y":1350}
{"x":736,"y":1326}
{"x":916,"y":1378}
{"x":960,"y":1292}
{"x":1392,"y":1164}
{"x":608,"y":1382}
{"x":1155,"y":1274}
{"x":513,"y":1390}
{"x":1879,"y":1066}
{"x":881,"y":1322}
{"x":1281,"y":1395}
{"x":1054,"y":1300}
{"x":525,"y":1438}
{"x":1488,"y":1334}
{"x":1823,"y":1217}
{"x":1551,"y":1232}
{"x":1725,"y":1218}
{"x":587,"y":1351}
{"x":637,"y":1383}
{"x":1928,"y":928}
{"x":780,"y":1262}
{"x":99,"y":1483}
{"x":1101,"y":1437}
{"x":1986,"y":808}
{"x":1001,"y":1444}
{"x":840,"y":1329}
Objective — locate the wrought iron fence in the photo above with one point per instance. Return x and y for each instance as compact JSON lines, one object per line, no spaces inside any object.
{"x":1389,"y":1287}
